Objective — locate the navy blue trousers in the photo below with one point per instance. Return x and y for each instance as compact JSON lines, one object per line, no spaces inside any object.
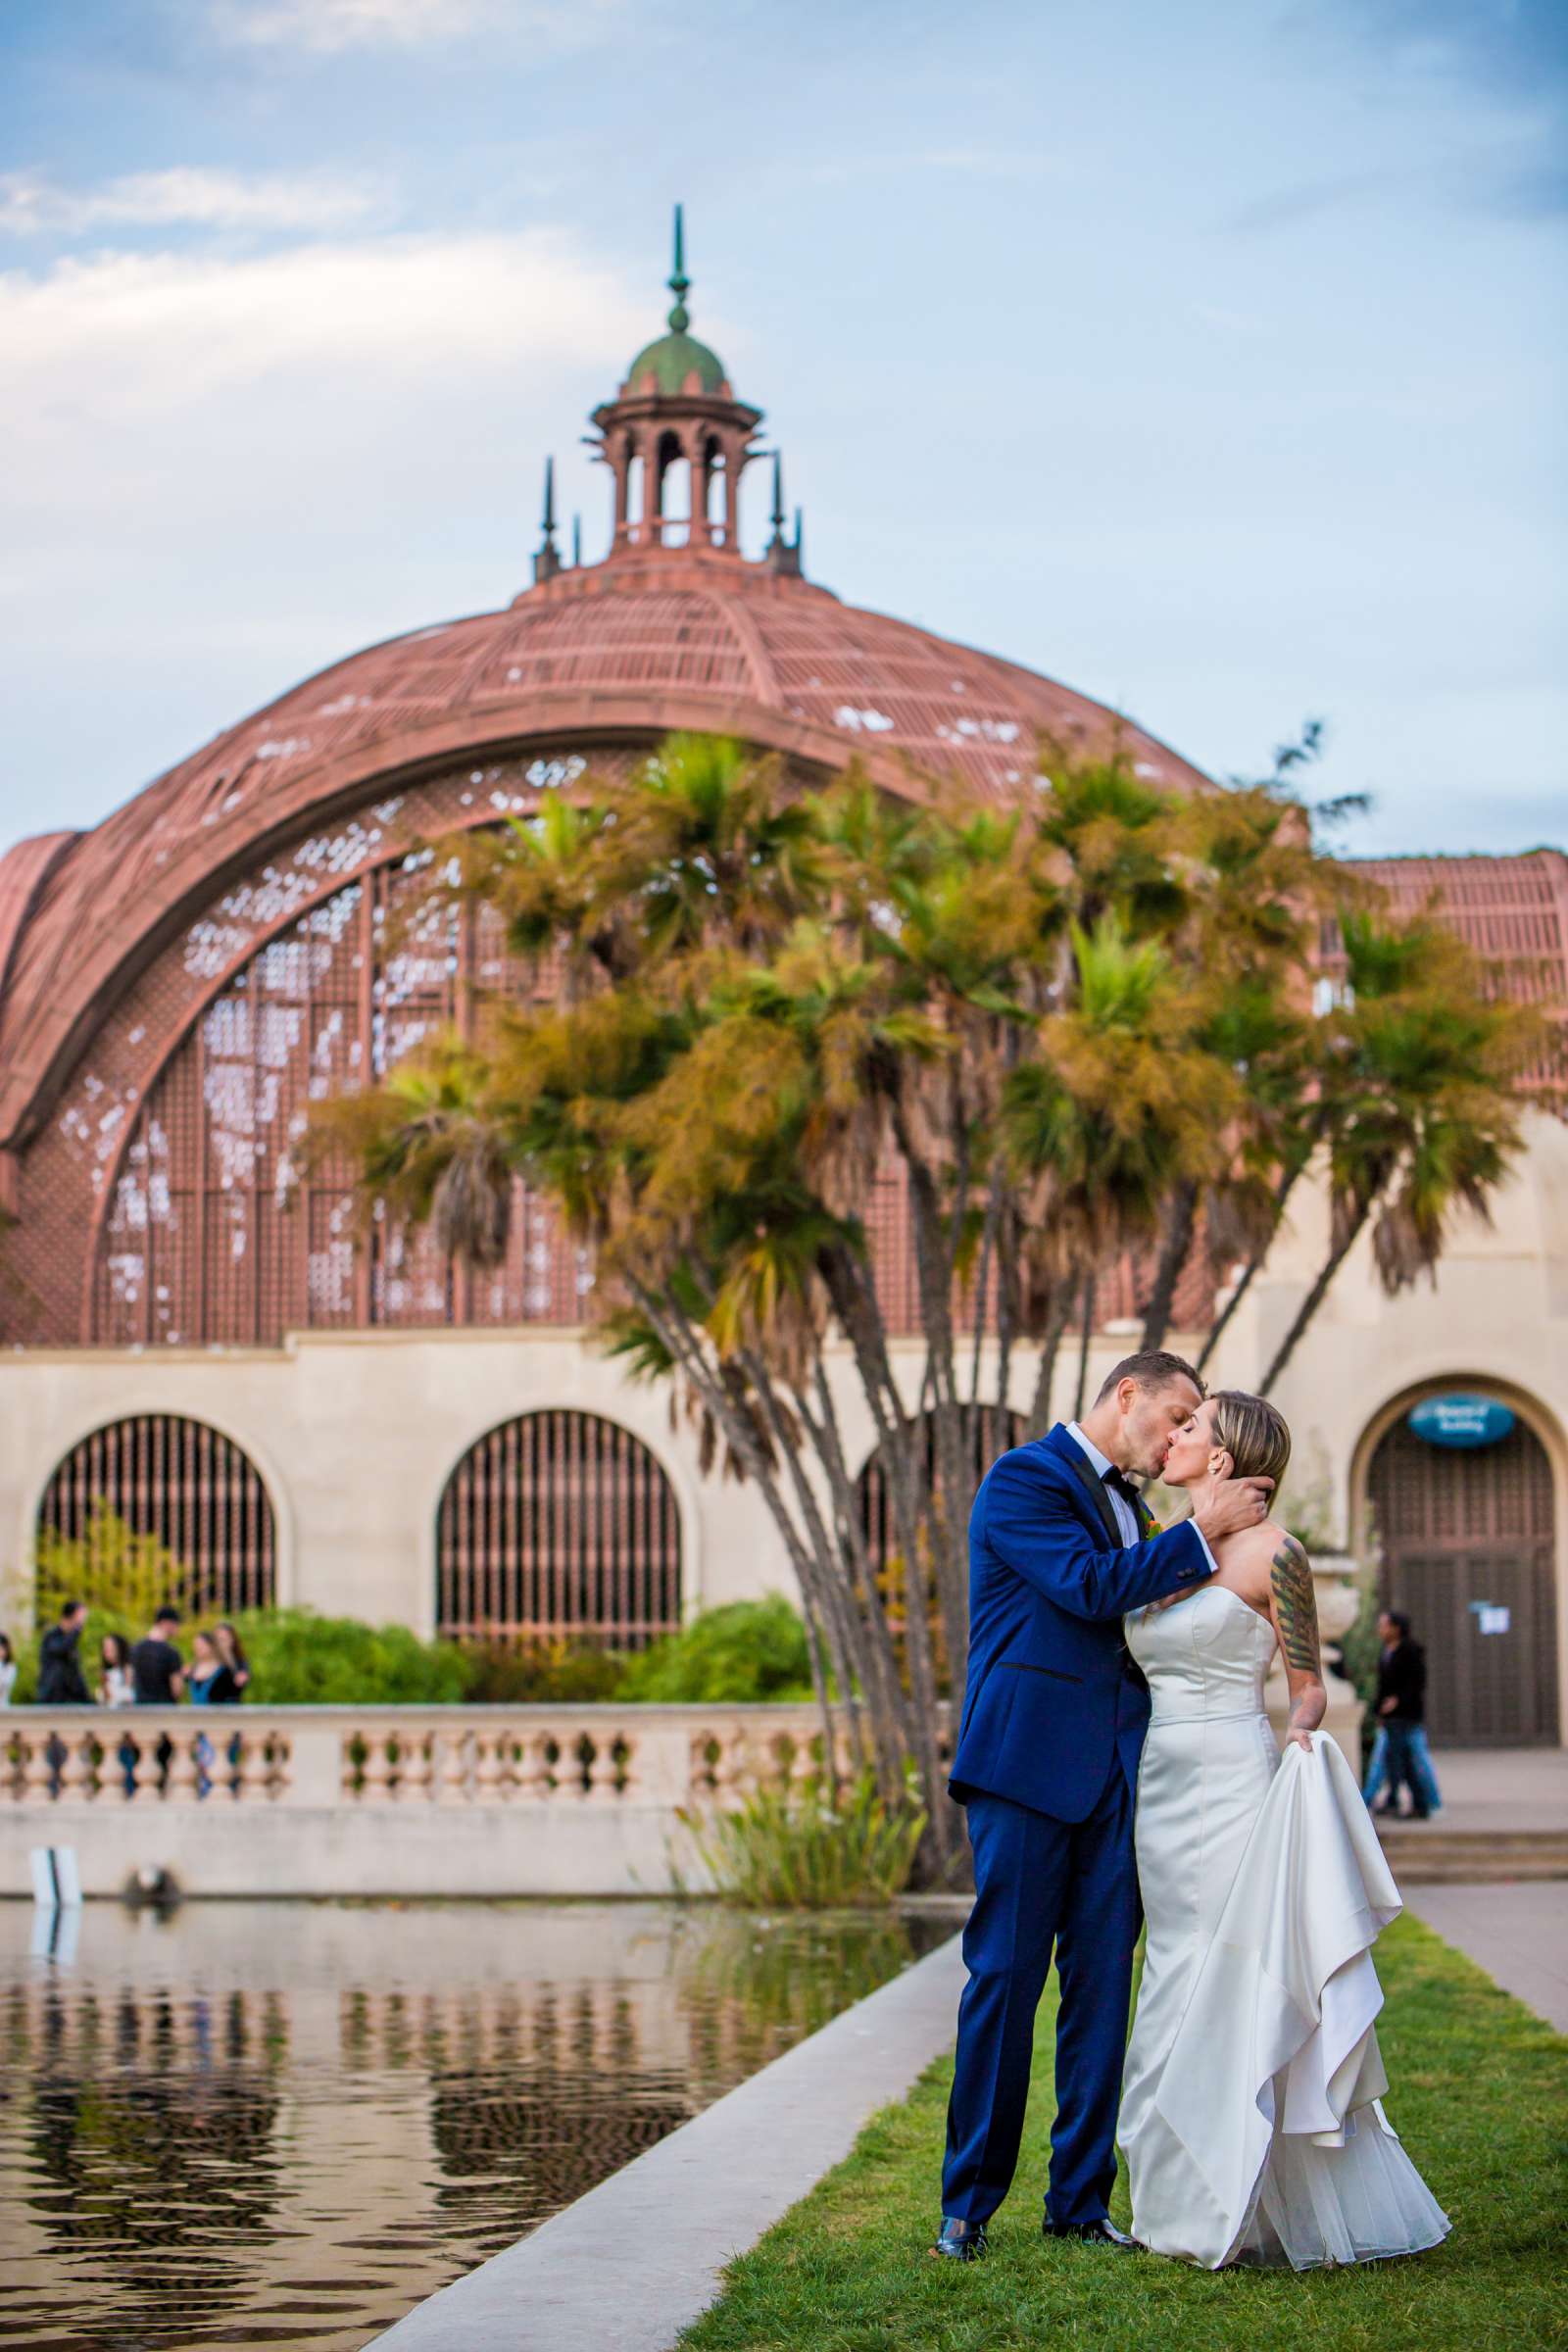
{"x":1042,"y":1884}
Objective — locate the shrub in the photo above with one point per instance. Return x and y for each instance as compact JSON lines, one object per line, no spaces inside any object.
{"x":554,"y":1672}
{"x":806,"y":1849}
{"x":298,"y":1659}
{"x":749,"y":1649}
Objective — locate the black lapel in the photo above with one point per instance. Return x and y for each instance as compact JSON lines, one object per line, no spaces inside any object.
{"x":1084,"y":1469}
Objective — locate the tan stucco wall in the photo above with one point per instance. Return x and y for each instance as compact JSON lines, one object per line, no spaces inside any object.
{"x":356,"y":1434}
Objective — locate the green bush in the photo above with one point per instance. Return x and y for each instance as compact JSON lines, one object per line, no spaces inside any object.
{"x":298,"y":1659}
{"x":551,"y":1673}
{"x":806,"y":1849}
{"x":749,"y":1649}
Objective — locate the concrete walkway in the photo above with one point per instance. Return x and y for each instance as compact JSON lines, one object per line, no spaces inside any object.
{"x":1518,"y":1933}
{"x":1498,"y":1790}
{"x":634,"y":2262}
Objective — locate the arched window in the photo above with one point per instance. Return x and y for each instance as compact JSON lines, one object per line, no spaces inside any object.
{"x":994,"y":1431}
{"x":192,"y":1490}
{"x":559,"y":1526}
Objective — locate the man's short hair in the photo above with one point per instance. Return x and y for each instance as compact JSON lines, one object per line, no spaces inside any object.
{"x":1400,"y":1622}
{"x":1152,"y":1368}
{"x":68,"y":1608}
{"x":167,"y":1616}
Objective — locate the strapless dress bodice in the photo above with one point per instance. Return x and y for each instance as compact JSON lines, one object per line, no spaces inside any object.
{"x":1205,"y":1658}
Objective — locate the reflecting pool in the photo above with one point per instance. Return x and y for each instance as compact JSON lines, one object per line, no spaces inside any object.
{"x":283,"y":2123}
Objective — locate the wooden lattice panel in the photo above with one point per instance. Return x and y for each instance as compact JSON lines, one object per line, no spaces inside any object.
{"x":559,"y":1526}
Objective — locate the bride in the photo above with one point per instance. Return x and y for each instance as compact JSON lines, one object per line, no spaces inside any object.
{"x":1252,"y":2112}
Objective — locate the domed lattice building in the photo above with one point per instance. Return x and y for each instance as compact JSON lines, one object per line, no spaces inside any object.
{"x":197,"y":1329}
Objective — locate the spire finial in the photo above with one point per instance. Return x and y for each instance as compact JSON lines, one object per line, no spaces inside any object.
{"x":776,"y":518}
{"x":547,"y":563}
{"x":678,"y":281}
{"x":576,"y":543}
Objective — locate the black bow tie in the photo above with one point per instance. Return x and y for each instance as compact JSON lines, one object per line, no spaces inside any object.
{"x":1122,"y":1486}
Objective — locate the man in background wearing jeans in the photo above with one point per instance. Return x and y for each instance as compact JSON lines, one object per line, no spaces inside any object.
{"x":1399,"y":1752}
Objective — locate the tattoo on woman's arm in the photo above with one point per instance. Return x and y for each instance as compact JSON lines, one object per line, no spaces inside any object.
{"x":1295,"y":1608}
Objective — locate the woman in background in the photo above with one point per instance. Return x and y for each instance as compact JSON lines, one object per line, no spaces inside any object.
{"x":210,"y":1684}
{"x":7,"y":1670}
{"x":117,"y":1687}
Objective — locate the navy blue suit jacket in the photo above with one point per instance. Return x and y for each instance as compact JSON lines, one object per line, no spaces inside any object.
{"x":1051,"y":1694}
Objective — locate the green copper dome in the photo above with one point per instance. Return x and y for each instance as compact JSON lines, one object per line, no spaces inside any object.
{"x":672,"y":359}
{"x":675,"y":358}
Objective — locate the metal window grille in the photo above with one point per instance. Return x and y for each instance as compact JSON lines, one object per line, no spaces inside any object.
{"x":993,"y":1434}
{"x":559,"y":1526}
{"x":188,"y":1486}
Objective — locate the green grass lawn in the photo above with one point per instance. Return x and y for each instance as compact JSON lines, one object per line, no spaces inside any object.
{"x":1480,"y":2097}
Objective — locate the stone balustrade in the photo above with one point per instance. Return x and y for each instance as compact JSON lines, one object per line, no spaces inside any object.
{"x":409,"y":1801}
{"x":355,"y":1757}
{"x":387,"y":1801}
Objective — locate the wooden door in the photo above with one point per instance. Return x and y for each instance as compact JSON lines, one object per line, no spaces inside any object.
{"x":1466,"y":1533}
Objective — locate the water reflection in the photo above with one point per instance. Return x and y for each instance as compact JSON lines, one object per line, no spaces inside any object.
{"x":281,"y":2123}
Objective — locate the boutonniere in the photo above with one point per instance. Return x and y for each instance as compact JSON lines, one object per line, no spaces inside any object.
{"x":1157,"y":1527}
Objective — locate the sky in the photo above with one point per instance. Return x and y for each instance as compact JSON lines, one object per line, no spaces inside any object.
{"x":1209,"y":358}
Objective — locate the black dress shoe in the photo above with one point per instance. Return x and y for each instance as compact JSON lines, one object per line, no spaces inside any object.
{"x":1102,"y":2232}
{"x":960,"y":2241}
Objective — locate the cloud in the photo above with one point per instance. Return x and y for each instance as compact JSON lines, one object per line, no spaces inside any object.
{"x":187,"y":196}
{"x":221,"y":474}
{"x":173,"y":358}
{"x":331,"y":27}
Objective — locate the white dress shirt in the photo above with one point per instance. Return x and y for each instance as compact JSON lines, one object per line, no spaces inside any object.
{"x":1126,"y":1517}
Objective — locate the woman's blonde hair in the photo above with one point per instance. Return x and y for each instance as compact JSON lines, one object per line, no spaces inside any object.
{"x":1253,"y":1432}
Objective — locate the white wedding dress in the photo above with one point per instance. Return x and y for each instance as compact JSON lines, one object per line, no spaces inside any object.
{"x":1251,"y":2101}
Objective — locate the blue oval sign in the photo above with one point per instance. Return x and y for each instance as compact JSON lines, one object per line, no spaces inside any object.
{"x":1461,"y":1420}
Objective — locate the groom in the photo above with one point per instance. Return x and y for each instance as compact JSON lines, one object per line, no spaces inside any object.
{"x":1054,"y":1720}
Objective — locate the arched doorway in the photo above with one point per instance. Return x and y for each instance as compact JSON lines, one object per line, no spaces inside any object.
{"x":1466,"y":1540}
{"x":197,"y":1494}
{"x":559,"y":1526}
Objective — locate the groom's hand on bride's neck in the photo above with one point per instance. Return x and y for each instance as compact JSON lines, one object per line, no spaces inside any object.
{"x":1227,"y":1506}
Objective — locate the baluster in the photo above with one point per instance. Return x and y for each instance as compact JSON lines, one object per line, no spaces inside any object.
{"x":735,"y":1774}
{"x":37,"y":1773}
{"x":149,"y":1771}
{"x":377,"y":1769}
{"x":75,"y":1771}
{"x":452,"y":1788}
{"x":413,"y":1777}
{"x":603,"y":1769}
{"x":532,"y":1773}
{"x":487,"y":1769}
{"x":109,"y":1774}
{"x":701,"y":1774}
{"x":253,"y":1782}
{"x":184,"y":1778}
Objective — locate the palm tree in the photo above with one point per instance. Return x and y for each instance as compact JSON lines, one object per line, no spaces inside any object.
{"x":1418,"y":1114}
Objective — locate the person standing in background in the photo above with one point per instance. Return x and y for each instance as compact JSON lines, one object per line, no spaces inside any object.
{"x":61,"y":1680}
{"x":211,"y":1683}
{"x":116,"y":1686}
{"x":7,"y":1670}
{"x":232,"y":1652}
{"x":158,"y":1671}
{"x":1399,"y":1752}
{"x":118,"y":1689}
